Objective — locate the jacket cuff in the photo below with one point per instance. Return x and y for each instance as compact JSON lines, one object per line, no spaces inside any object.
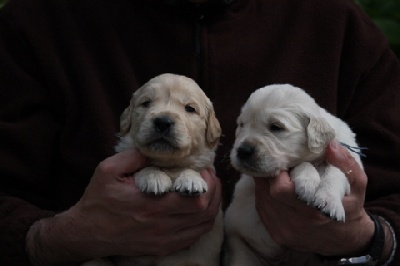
{"x":16,"y":217}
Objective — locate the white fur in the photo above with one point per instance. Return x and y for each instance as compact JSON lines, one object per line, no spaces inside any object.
{"x":177,"y":155}
{"x":282,"y":128}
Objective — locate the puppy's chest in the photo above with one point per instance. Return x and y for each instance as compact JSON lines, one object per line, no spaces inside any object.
{"x":173,"y":173}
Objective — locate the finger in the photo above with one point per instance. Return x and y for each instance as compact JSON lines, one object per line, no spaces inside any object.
{"x":198,"y":211}
{"x":209,"y":201}
{"x":130,"y":161}
{"x":280,"y":197}
{"x":282,"y":187}
{"x":340,"y":157}
{"x":187,"y":236}
{"x":124,"y":163}
{"x":175,"y":238}
{"x":215,"y":188}
{"x":175,"y":203}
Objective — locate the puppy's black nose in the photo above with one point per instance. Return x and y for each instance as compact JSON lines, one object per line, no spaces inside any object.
{"x":245,"y":151}
{"x":163,"y":123}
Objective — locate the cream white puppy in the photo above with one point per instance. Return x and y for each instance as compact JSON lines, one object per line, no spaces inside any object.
{"x":172,"y":122}
{"x":282,"y":128}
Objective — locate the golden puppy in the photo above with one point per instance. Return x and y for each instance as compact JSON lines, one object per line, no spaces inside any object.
{"x":172,"y":122}
{"x":282,"y":128}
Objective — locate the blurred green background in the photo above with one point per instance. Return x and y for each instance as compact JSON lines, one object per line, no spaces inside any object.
{"x":385,"y":13}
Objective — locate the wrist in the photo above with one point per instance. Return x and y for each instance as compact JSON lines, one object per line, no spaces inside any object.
{"x":360,"y":233}
{"x":52,"y":241}
{"x":37,"y":246}
{"x":381,"y":247}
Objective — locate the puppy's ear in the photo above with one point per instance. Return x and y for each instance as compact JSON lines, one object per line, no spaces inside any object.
{"x":125,"y":119}
{"x":213,"y":131}
{"x":319,"y":133}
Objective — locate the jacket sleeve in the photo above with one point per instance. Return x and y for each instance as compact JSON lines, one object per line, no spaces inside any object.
{"x":25,"y":123}
{"x":16,"y":217}
{"x":372,"y":110}
{"x":383,"y":154}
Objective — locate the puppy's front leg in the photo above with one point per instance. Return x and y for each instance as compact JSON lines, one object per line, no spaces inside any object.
{"x":153,"y":180}
{"x":328,"y":197}
{"x":190,"y":182}
{"x":306,"y":180}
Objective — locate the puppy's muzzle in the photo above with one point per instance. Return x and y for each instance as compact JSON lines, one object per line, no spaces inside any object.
{"x":245,"y":151}
{"x":163,"y":124}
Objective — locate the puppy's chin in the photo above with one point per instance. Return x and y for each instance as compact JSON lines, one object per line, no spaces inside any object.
{"x":256,"y":168}
{"x":162,"y":148}
{"x":258,"y":172}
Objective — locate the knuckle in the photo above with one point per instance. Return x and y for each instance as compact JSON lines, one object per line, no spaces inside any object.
{"x":204,"y":228}
{"x":214,"y":212}
{"x":106,"y":166}
{"x":209,"y":226}
{"x":202,"y":204}
{"x":279,"y":188}
{"x":278,"y":239}
{"x":149,"y":219}
{"x":350,"y":160}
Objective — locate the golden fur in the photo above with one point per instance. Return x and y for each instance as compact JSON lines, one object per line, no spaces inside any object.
{"x":172,"y":122}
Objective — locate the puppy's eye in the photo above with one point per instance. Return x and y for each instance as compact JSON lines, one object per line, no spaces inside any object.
{"x":240,"y":125}
{"x":190,"y":109}
{"x":146,"y":103}
{"x":276,"y":127}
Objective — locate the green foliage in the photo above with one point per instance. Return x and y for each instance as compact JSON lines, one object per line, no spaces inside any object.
{"x":386,"y":15}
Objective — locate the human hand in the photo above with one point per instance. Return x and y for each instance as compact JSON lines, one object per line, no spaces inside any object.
{"x":294,"y":224}
{"x":114,"y":218}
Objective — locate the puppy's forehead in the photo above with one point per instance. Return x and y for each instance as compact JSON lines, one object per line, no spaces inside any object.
{"x":261,"y":106}
{"x":273,"y":103}
{"x":177,"y":90}
{"x":173,"y":89}
{"x":279,"y":97}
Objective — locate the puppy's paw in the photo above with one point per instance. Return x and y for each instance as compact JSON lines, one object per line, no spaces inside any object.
{"x":190,"y":183}
{"x":306,"y":180}
{"x":152,"y":180}
{"x":329,"y":204}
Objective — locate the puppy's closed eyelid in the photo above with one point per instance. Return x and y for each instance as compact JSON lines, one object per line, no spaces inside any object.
{"x":145,"y":103}
{"x":190,"y":109}
{"x":276,"y":127}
